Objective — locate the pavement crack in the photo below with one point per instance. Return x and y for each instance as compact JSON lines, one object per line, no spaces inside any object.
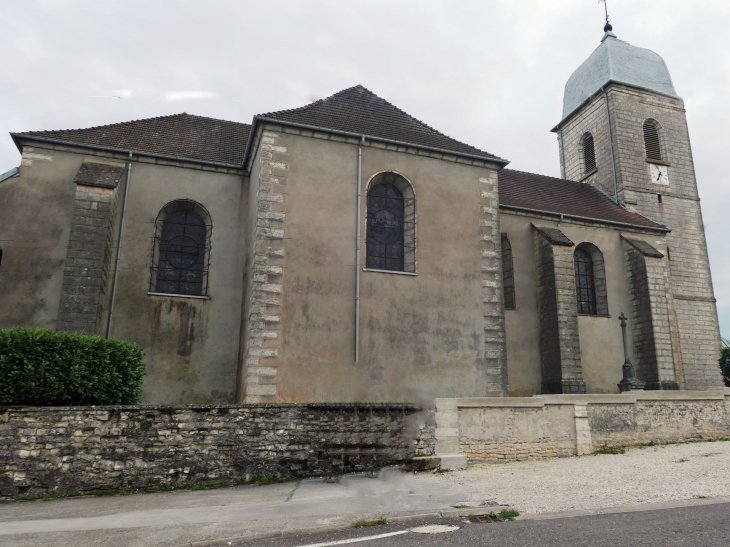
{"x":297,"y":485}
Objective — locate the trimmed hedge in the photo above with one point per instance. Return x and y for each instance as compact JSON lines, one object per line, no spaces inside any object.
{"x":44,"y":367}
{"x":725,"y":365}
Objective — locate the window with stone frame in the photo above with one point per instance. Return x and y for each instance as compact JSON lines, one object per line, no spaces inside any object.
{"x":508,"y":274}
{"x":590,"y":280}
{"x":390,"y":242}
{"x":589,"y":153}
{"x":652,"y":140}
{"x":181,"y":250}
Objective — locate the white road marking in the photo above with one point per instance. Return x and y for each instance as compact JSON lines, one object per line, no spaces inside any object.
{"x":354,"y":540}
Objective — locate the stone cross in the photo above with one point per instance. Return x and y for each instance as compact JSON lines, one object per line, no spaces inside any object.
{"x":629,"y":382}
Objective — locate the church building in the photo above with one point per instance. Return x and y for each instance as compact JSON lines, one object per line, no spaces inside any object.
{"x":345,"y":251}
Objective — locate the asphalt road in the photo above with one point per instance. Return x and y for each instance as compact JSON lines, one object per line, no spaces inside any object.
{"x":706,"y":525}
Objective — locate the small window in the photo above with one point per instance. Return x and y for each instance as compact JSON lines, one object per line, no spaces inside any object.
{"x":508,"y":274}
{"x":651,"y":140}
{"x":589,"y":153}
{"x":590,"y":280}
{"x":181,"y":250}
{"x":391,"y":224}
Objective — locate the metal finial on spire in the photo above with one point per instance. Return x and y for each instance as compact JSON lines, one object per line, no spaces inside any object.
{"x":607,"y":27}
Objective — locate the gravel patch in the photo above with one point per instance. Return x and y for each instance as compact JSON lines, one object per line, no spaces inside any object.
{"x":641,"y":475}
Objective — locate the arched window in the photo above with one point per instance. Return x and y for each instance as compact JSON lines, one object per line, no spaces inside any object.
{"x":590,"y":280}
{"x":651,"y":140}
{"x":589,"y":153}
{"x":181,"y":250}
{"x":508,"y":274}
{"x":391,"y":224}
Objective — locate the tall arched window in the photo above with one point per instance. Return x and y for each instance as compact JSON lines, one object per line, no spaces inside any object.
{"x":391,"y":224}
{"x":590,"y":280}
{"x":589,"y":153}
{"x":181,"y":250}
{"x":508,"y":274}
{"x":651,"y":140}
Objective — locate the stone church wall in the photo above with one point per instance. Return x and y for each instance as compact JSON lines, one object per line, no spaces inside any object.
{"x":600,"y":344}
{"x":68,"y":449}
{"x":421,"y":335}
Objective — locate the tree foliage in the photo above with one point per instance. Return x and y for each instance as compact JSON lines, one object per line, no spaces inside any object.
{"x":44,"y":367}
{"x":725,"y":365}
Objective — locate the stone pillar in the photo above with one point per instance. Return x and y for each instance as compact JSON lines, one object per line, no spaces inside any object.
{"x":558,"y":312}
{"x":261,"y":357}
{"x":495,"y":346}
{"x":88,"y":257}
{"x":647,"y":272}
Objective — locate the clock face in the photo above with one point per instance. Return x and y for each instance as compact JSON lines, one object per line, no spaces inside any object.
{"x":659,"y":174}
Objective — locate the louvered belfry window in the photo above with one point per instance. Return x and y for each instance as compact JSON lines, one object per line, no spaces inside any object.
{"x":585,"y":282}
{"x":651,"y":140}
{"x":589,"y":153}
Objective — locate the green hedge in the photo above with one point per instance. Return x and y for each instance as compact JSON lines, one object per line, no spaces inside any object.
{"x":725,"y":365}
{"x":43,"y":367}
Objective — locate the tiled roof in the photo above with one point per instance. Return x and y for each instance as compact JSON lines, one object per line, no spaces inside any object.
{"x":550,"y":194}
{"x":358,"y":110}
{"x":179,"y":135}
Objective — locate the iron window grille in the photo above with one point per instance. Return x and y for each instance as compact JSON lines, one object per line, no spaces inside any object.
{"x":651,"y":141}
{"x":391,"y":226}
{"x":589,"y":153}
{"x":181,"y":250}
{"x":508,"y":274}
{"x":585,"y":282}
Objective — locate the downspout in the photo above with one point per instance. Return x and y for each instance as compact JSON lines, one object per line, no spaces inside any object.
{"x":119,"y":250}
{"x":610,"y":140}
{"x":357,"y":249}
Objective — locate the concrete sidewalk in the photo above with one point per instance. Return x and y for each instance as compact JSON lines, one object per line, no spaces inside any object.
{"x":172,"y":518}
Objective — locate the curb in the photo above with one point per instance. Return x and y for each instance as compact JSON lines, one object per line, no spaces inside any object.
{"x":281,"y":534}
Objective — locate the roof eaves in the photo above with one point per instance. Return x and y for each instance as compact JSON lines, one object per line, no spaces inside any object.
{"x":16,"y":136}
{"x":658,"y":228}
{"x":256,"y":119}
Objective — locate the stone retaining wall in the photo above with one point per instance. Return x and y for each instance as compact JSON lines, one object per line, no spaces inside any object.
{"x":65,"y":449}
{"x":495,"y":429}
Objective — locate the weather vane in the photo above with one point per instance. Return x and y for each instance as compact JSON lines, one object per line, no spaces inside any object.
{"x":607,"y":27}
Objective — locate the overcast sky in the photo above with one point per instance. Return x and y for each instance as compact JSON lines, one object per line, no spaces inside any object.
{"x":490,"y":72}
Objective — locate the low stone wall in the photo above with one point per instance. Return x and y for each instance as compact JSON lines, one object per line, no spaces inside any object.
{"x":518,"y":428}
{"x":66,"y":449}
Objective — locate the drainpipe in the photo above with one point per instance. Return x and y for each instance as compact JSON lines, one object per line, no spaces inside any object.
{"x":119,"y":249}
{"x":610,"y":140}
{"x":357,"y":249}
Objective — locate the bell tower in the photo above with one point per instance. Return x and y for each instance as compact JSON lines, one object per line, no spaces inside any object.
{"x":624,"y":130}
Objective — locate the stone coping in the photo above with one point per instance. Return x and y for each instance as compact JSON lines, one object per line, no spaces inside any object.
{"x":584,"y":399}
{"x":242,"y":406}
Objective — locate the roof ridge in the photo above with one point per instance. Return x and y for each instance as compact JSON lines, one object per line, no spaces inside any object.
{"x":130,"y":122}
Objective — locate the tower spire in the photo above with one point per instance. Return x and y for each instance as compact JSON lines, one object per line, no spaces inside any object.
{"x":607,"y":27}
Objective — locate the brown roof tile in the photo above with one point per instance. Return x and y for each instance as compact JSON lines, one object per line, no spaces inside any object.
{"x":359,"y":110}
{"x":553,"y":195}
{"x":179,"y":135}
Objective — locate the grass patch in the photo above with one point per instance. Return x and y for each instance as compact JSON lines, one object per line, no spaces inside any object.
{"x":611,"y":450}
{"x":364,"y":523}
{"x":502,"y":516}
{"x":682,"y":460}
{"x":460,"y":506}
